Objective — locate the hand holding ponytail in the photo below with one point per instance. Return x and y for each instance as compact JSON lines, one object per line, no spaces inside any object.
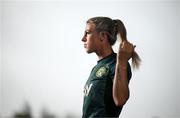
{"x":125,"y":46}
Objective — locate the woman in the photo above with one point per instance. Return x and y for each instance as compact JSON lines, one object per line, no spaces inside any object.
{"x":106,"y":90}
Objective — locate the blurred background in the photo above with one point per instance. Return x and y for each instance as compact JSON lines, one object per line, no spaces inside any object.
{"x":44,"y":66}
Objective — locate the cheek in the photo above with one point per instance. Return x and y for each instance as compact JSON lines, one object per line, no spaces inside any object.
{"x":90,"y":40}
{"x":89,"y":44}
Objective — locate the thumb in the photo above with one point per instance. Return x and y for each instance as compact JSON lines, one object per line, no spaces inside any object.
{"x":122,"y":44}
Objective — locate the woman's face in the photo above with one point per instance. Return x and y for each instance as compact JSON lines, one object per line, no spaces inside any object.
{"x":91,"y":38}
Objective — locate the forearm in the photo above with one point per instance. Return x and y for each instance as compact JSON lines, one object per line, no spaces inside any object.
{"x":120,"y":84}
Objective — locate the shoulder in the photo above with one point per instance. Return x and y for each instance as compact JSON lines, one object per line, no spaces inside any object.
{"x":111,"y":65}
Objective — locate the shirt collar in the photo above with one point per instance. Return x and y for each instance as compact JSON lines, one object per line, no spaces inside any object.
{"x":107,"y":58}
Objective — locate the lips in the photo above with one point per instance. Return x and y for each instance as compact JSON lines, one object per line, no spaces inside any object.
{"x":85,"y":45}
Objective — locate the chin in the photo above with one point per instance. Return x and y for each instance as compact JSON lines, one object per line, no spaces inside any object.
{"x":89,"y":51}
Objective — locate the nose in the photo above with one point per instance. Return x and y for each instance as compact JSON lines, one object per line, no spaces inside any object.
{"x":83,"y":39}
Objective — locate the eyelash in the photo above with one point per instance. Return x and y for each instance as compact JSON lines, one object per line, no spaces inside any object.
{"x":87,"y":33}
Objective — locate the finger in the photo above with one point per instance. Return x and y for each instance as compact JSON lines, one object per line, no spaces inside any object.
{"x":122,"y":44}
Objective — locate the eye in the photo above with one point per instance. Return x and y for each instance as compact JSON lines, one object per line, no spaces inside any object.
{"x":86,"y":32}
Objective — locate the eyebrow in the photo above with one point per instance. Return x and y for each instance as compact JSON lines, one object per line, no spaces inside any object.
{"x":87,"y":31}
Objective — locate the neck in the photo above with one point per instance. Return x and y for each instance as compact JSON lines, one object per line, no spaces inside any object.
{"x":104,"y":52}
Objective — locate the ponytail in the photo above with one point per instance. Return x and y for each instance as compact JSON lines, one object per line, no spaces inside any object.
{"x":121,"y":30}
{"x":135,"y":60}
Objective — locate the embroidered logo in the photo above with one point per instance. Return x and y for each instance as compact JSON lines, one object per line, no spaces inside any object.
{"x":101,"y":72}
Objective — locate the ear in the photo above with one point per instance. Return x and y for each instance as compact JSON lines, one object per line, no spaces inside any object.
{"x":103,"y":36}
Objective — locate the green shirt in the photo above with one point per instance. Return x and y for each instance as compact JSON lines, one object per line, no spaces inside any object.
{"x":98,"y":100}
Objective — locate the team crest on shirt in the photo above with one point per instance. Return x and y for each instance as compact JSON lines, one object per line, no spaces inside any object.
{"x":102,"y":71}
